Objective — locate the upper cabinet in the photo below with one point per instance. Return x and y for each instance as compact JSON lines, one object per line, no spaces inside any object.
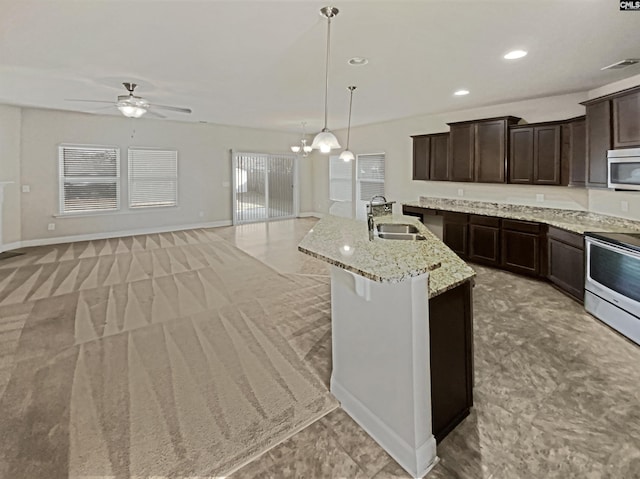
{"x":574,"y":153}
{"x":534,"y":154}
{"x":613,"y":122}
{"x":626,"y":120}
{"x":478,"y":150}
{"x":430,"y":155}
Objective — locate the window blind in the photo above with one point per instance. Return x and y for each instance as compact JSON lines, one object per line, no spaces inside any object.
{"x":89,"y":178}
{"x":370,"y":175}
{"x":340,"y":179}
{"x":153,"y":177}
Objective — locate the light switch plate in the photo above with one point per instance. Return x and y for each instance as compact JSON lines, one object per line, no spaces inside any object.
{"x":226,"y":184}
{"x":624,"y":206}
{"x":26,"y":189}
{"x":51,"y":226}
{"x":460,"y":192}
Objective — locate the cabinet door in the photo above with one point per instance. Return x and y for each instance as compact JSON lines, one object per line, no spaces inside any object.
{"x":454,"y":233}
{"x":626,"y":121}
{"x":421,"y":156}
{"x":490,"y":154}
{"x":577,"y":158}
{"x":461,"y":147}
{"x":520,"y":252}
{"x":484,"y":244}
{"x":566,"y":268}
{"x":521,"y":155}
{"x":598,"y":142}
{"x":546,"y":148}
{"x":439,"y":156}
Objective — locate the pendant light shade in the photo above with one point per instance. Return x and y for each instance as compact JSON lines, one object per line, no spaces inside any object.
{"x":348,"y":155}
{"x":325,"y":141}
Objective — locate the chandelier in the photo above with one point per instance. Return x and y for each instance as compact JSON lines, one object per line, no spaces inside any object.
{"x":302,"y":147}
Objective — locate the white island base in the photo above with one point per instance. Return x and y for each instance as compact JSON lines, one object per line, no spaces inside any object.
{"x":381,"y":370}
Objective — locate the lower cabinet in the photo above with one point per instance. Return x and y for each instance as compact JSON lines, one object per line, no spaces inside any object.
{"x":484,"y":240}
{"x":521,"y":247}
{"x":451,"y":349}
{"x":566,"y":262}
{"x":455,"y":228}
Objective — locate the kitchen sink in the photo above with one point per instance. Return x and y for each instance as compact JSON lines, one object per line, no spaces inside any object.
{"x":402,"y":236}
{"x":396,"y":228}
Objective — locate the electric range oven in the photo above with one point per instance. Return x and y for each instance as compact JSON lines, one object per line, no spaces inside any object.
{"x":612,"y":280}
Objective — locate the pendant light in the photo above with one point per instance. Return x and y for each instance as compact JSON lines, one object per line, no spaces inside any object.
{"x":302,"y":147}
{"x":347,"y":155}
{"x":326,"y":141}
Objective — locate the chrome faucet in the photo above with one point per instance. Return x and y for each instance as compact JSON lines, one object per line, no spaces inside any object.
{"x":384,"y":200}
{"x":370,"y":225}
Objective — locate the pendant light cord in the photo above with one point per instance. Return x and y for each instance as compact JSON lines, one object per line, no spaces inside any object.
{"x":351,"y":88}
{"x":326,"y":77}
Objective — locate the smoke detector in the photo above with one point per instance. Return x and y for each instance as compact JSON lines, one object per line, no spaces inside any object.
{"x":621,"y":64}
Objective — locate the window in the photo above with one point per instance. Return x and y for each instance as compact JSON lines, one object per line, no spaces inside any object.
{"x":369,"y":179}
{"x":153,"y":177}
{"x":89,"y":178}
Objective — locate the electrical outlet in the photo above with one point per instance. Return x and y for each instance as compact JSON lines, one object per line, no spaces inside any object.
{"x":460,"y":192}
{"x":51,"y":226}
{"x":539,"y":197}
{"x":26,"y":189}
{"x":624,"y":206}
{"x":201,"y":214}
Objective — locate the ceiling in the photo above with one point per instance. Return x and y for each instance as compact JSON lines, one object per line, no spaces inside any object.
{"x":261,"y":63}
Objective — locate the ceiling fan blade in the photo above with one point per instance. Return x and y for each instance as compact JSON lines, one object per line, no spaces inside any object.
{"x":172,"y":108}
{"x":89,"y":101}
{"x":156,"y":114}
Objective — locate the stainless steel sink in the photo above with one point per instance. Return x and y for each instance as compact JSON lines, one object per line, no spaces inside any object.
{"x":402,"y":236}
{"x":396,"y":228}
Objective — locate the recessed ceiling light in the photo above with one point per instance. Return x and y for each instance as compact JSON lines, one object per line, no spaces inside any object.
{"x":357,"y":61}
{"x":461,"y":92}
{"x":515,"y":54}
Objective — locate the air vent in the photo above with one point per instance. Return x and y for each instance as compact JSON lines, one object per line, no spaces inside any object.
{"x":621,"y":64}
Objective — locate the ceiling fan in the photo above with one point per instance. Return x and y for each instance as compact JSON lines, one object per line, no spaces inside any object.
{"x":133,"y":106}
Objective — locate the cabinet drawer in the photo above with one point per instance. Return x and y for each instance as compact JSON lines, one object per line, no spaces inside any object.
{"x":524,"y":226}
{"x":574,"y":239}
{"x":484,"y":220}
{"x":455,"y":217}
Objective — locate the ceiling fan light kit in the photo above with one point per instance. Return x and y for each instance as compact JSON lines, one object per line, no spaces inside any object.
{"x":325,"y":141}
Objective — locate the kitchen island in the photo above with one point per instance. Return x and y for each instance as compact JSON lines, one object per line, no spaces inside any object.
{"x":402,"y":338}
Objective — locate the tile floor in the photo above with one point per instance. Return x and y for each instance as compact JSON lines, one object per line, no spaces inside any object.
{"x":557,"y":394}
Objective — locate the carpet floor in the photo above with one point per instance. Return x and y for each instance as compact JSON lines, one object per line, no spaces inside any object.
{"x":147,"y":356}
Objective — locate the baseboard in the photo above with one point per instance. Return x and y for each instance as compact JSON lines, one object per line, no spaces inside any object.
{"x":311,"y":214}
{"x":417,"y":462}
{"x":10,"y":246}
{"x":112,"y":234}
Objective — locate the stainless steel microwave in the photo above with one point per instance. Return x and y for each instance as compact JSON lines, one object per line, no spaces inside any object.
{"x":623,"y":169}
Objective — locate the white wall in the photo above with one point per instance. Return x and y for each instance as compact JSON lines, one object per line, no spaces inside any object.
{"x":10,"y":124}
{"x":204,"y":164}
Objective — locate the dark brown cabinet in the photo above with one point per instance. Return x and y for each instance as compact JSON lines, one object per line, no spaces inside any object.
{"x":478,"y":150}
{"x":626,"y":120}
{"x":430,"y":155}
{"x":574,"y":158}
{"x":461,"y":147}
{"x":598,"y":126}
{"x":455,"y":228}
{"x":566,"y":261}
{"x":521,"y":247}
{"x":534,"y":154}
{"x":451,"y":352}
{"x":484,"y":239}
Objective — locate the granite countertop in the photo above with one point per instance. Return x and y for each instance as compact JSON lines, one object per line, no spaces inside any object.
{"x":344,"y":242}
{"x":570,"y":220}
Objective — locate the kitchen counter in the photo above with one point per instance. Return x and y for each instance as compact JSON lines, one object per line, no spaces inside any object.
{"x":398,"y":352}
{"x":570,"y":220}
{"x":344,"y":242}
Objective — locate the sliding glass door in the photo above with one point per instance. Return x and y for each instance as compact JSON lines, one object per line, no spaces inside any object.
{"x":264,"y":186}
